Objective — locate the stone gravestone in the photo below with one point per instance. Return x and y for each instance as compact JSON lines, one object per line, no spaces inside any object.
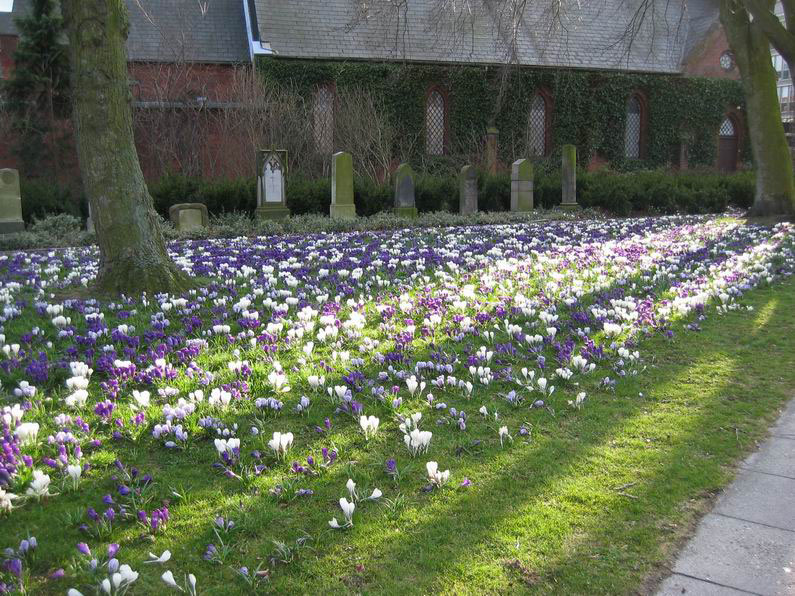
{"x":568,"y":174}
{"x":10,"y":203}
{"x":404,"y":192}
{"x":522,"y":185}
{"x":271,"y":184}
{"x":187,"y":217}
{"x":468,"y":190}
{"x":342,"y":206}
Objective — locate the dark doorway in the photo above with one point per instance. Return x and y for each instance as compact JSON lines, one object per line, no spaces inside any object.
{"x":727,"y":145}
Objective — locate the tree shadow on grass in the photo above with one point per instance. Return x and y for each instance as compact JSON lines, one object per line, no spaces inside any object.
{"x":446,"y":542}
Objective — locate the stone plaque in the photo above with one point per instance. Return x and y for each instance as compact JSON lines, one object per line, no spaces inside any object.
{"x":189,"y":220}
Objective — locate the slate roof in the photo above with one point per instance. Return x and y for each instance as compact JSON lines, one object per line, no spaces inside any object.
{"x":7,"y":26}
{"x":179,"y":30}
{"x":704,"y":17}
{"x":588,"y":36}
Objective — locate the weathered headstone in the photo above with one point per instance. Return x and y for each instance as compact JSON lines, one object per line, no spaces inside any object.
{"x":405,"y":205}
{"x":189,"y":216}
{"x":10,"y":203}
{"x":468,"y":190}
{"x":271,"y":184}
{"x":342,"y":206}
{"x":568,"y":174}
{"x":522,"y":185}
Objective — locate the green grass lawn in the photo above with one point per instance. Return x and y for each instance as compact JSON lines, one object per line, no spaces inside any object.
{"x":595,"y":501}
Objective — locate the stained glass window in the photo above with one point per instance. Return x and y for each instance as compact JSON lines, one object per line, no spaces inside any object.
{"x":434,"y":123}
{"x":537,"y":127}
{"x":632,"y":132}
{"x":726,"y":127}
{"x":323,"y":113}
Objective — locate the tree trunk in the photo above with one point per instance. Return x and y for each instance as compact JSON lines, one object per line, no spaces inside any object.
{"x":775,"y":189}
{"x":133,"y":256}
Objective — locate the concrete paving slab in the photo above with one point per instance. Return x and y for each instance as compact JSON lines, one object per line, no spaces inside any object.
{"x":760,"y":498}
{"x":785,"y":427}
{"x":740,"y":554}
{"x":775,"y":456}
{"x":676,"y":585}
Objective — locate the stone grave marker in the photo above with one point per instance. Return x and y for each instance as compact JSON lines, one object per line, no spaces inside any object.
{"x":569,"y":177}
{"x":405,"y":205}
{"x":10,"y":203}
{"x":522,"y":185}
{"x":468,"y":190}
{"x":272,"y":184}
{"x":187,"y":217}
{"x":342,"y":206}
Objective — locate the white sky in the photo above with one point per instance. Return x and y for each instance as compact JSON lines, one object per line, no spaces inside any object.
{"x":5,"y":5}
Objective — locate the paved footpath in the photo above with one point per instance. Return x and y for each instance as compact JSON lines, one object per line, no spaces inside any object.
{"x":746,"y":545}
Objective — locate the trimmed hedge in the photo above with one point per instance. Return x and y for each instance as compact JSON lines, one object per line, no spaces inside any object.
{"x":645,"y":191}
{"x":625,"y":193}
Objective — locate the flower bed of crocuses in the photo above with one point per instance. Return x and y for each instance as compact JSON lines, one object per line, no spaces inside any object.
{"x":298,"y":350}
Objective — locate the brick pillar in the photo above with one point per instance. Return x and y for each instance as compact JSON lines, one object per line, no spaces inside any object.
{"x":491,"y":150}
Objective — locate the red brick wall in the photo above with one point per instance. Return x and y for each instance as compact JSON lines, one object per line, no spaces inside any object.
{"x":192,"y":140}
{"x":704,"y":60}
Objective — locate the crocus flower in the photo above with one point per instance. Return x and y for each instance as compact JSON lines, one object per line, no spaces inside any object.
{"x":436,"y":477}
{"x":164,"y":558}
{"x":369,"y":425}
{"x":347,"y":509}
{"x":281,"y":443}
{"x":168,"y":579}
{"x":39,"y":486}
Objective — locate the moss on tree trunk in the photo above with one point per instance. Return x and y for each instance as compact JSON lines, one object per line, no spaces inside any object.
{"x":775,"y":189}
{"x":133,"y":256}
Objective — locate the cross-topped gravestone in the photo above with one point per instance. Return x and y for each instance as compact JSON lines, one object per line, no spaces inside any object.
{"x":271,"y":184}
{"x":10,"y":203}
{"x":405,"y":205}
{"x":342,"y":206}
{"x":468,"y":190}
{"x":568,"y":174}
{"x":522,"y":185}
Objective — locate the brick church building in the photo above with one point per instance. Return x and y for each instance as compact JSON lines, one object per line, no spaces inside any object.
{"x":575,"y":80}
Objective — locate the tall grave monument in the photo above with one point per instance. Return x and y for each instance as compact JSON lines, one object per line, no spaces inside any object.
{"x":10,"y":203}
{"x":342,"y":206}
{"x":271,"y":184}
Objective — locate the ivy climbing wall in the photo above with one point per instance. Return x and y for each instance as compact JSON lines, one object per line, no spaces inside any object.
{"x":588,"y":107}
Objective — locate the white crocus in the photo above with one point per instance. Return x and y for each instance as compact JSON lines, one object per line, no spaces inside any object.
{"x":417,"y":441}
{"x":351,"y":486}
{"x":27,"y":433}
{"x":348,"y":507}
{"x":168,"y":579}
{"x":74,"y":471}
{"x":281,"y":443}
{"x":142,"y":398}
{"x":369,"y":426}
{"x":164,"y":558}
{"x":436,"y":477}
{"x":376,"y":494}
{"x":6,"y":500}
{"x":39,"y":486}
